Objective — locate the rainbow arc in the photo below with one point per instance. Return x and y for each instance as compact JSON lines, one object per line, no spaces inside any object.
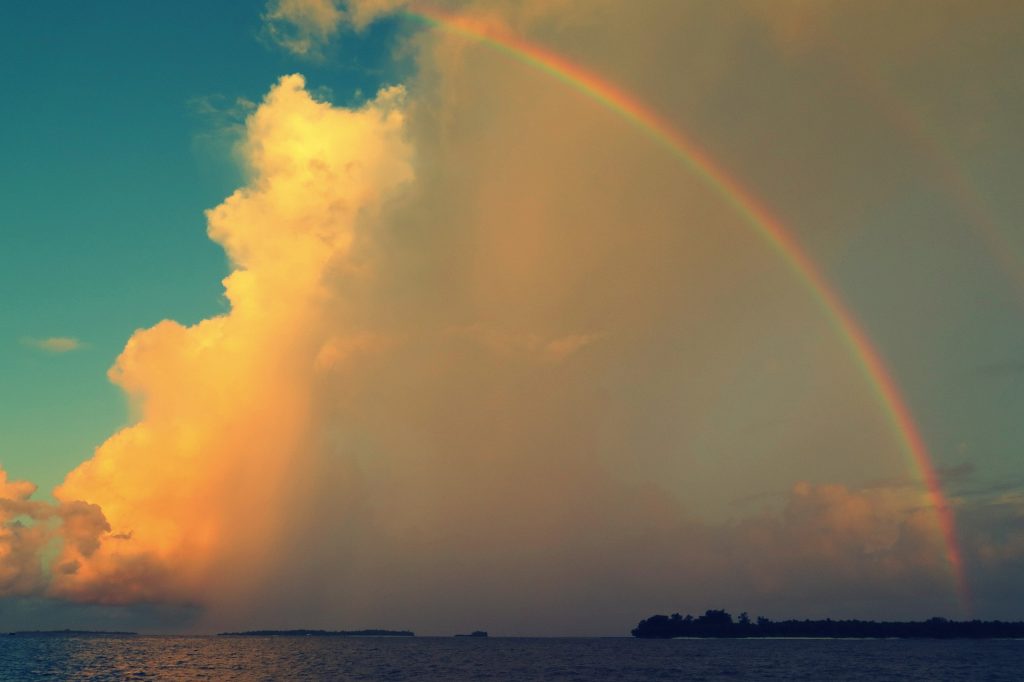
{"x":759,"y":218}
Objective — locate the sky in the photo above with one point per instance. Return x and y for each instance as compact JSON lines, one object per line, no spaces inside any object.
{"x":535,"y":317}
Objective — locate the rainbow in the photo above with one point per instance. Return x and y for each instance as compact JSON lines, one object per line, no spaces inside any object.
{"x":757,"y":217}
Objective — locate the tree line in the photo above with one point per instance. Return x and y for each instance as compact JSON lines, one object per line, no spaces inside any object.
{"x":719,"y":623}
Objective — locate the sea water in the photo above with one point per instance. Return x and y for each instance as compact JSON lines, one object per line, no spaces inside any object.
{"x":456,"y":659}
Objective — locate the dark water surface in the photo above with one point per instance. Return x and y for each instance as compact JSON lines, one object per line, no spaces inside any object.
{"x":425,"y":658}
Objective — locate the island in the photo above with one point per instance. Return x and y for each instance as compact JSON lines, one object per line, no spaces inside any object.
{"x":475,"y":633}
{"x":719,"y":623}
{"x":319,"y":633}
{"x":70,"y":633}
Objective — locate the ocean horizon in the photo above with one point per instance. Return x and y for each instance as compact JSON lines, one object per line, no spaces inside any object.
{"x":279,"y":657}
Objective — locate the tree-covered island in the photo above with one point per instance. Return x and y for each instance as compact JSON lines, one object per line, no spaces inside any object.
{"x":319,"y":633}
{"x":719,"y":623}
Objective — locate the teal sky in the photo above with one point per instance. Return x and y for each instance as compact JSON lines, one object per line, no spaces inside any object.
{"x":111,"y":155}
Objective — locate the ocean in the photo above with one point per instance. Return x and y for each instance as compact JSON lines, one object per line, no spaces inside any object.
{"x":452,"y":659}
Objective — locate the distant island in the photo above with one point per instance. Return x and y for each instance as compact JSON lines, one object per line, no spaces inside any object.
{"x":720,"y":624}
{"x":70,"y":633}
{"x":475,"y":633}
{"x":319,"y":633}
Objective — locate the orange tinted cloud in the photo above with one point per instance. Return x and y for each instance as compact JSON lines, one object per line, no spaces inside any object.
{"x":224,"y":405}
{"x":20,"y":544}
{"x":55,"y":344}
{"x":28,"y":527}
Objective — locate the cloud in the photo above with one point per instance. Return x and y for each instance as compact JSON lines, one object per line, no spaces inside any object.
{"x":55,"y":344}
{"x":303,"y":27}
{"x":551,"y":349}
{"x":364,"y":12}
{"x":20,"y":543}
{"x":29,"y":527}
{"x":225,"y":404}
